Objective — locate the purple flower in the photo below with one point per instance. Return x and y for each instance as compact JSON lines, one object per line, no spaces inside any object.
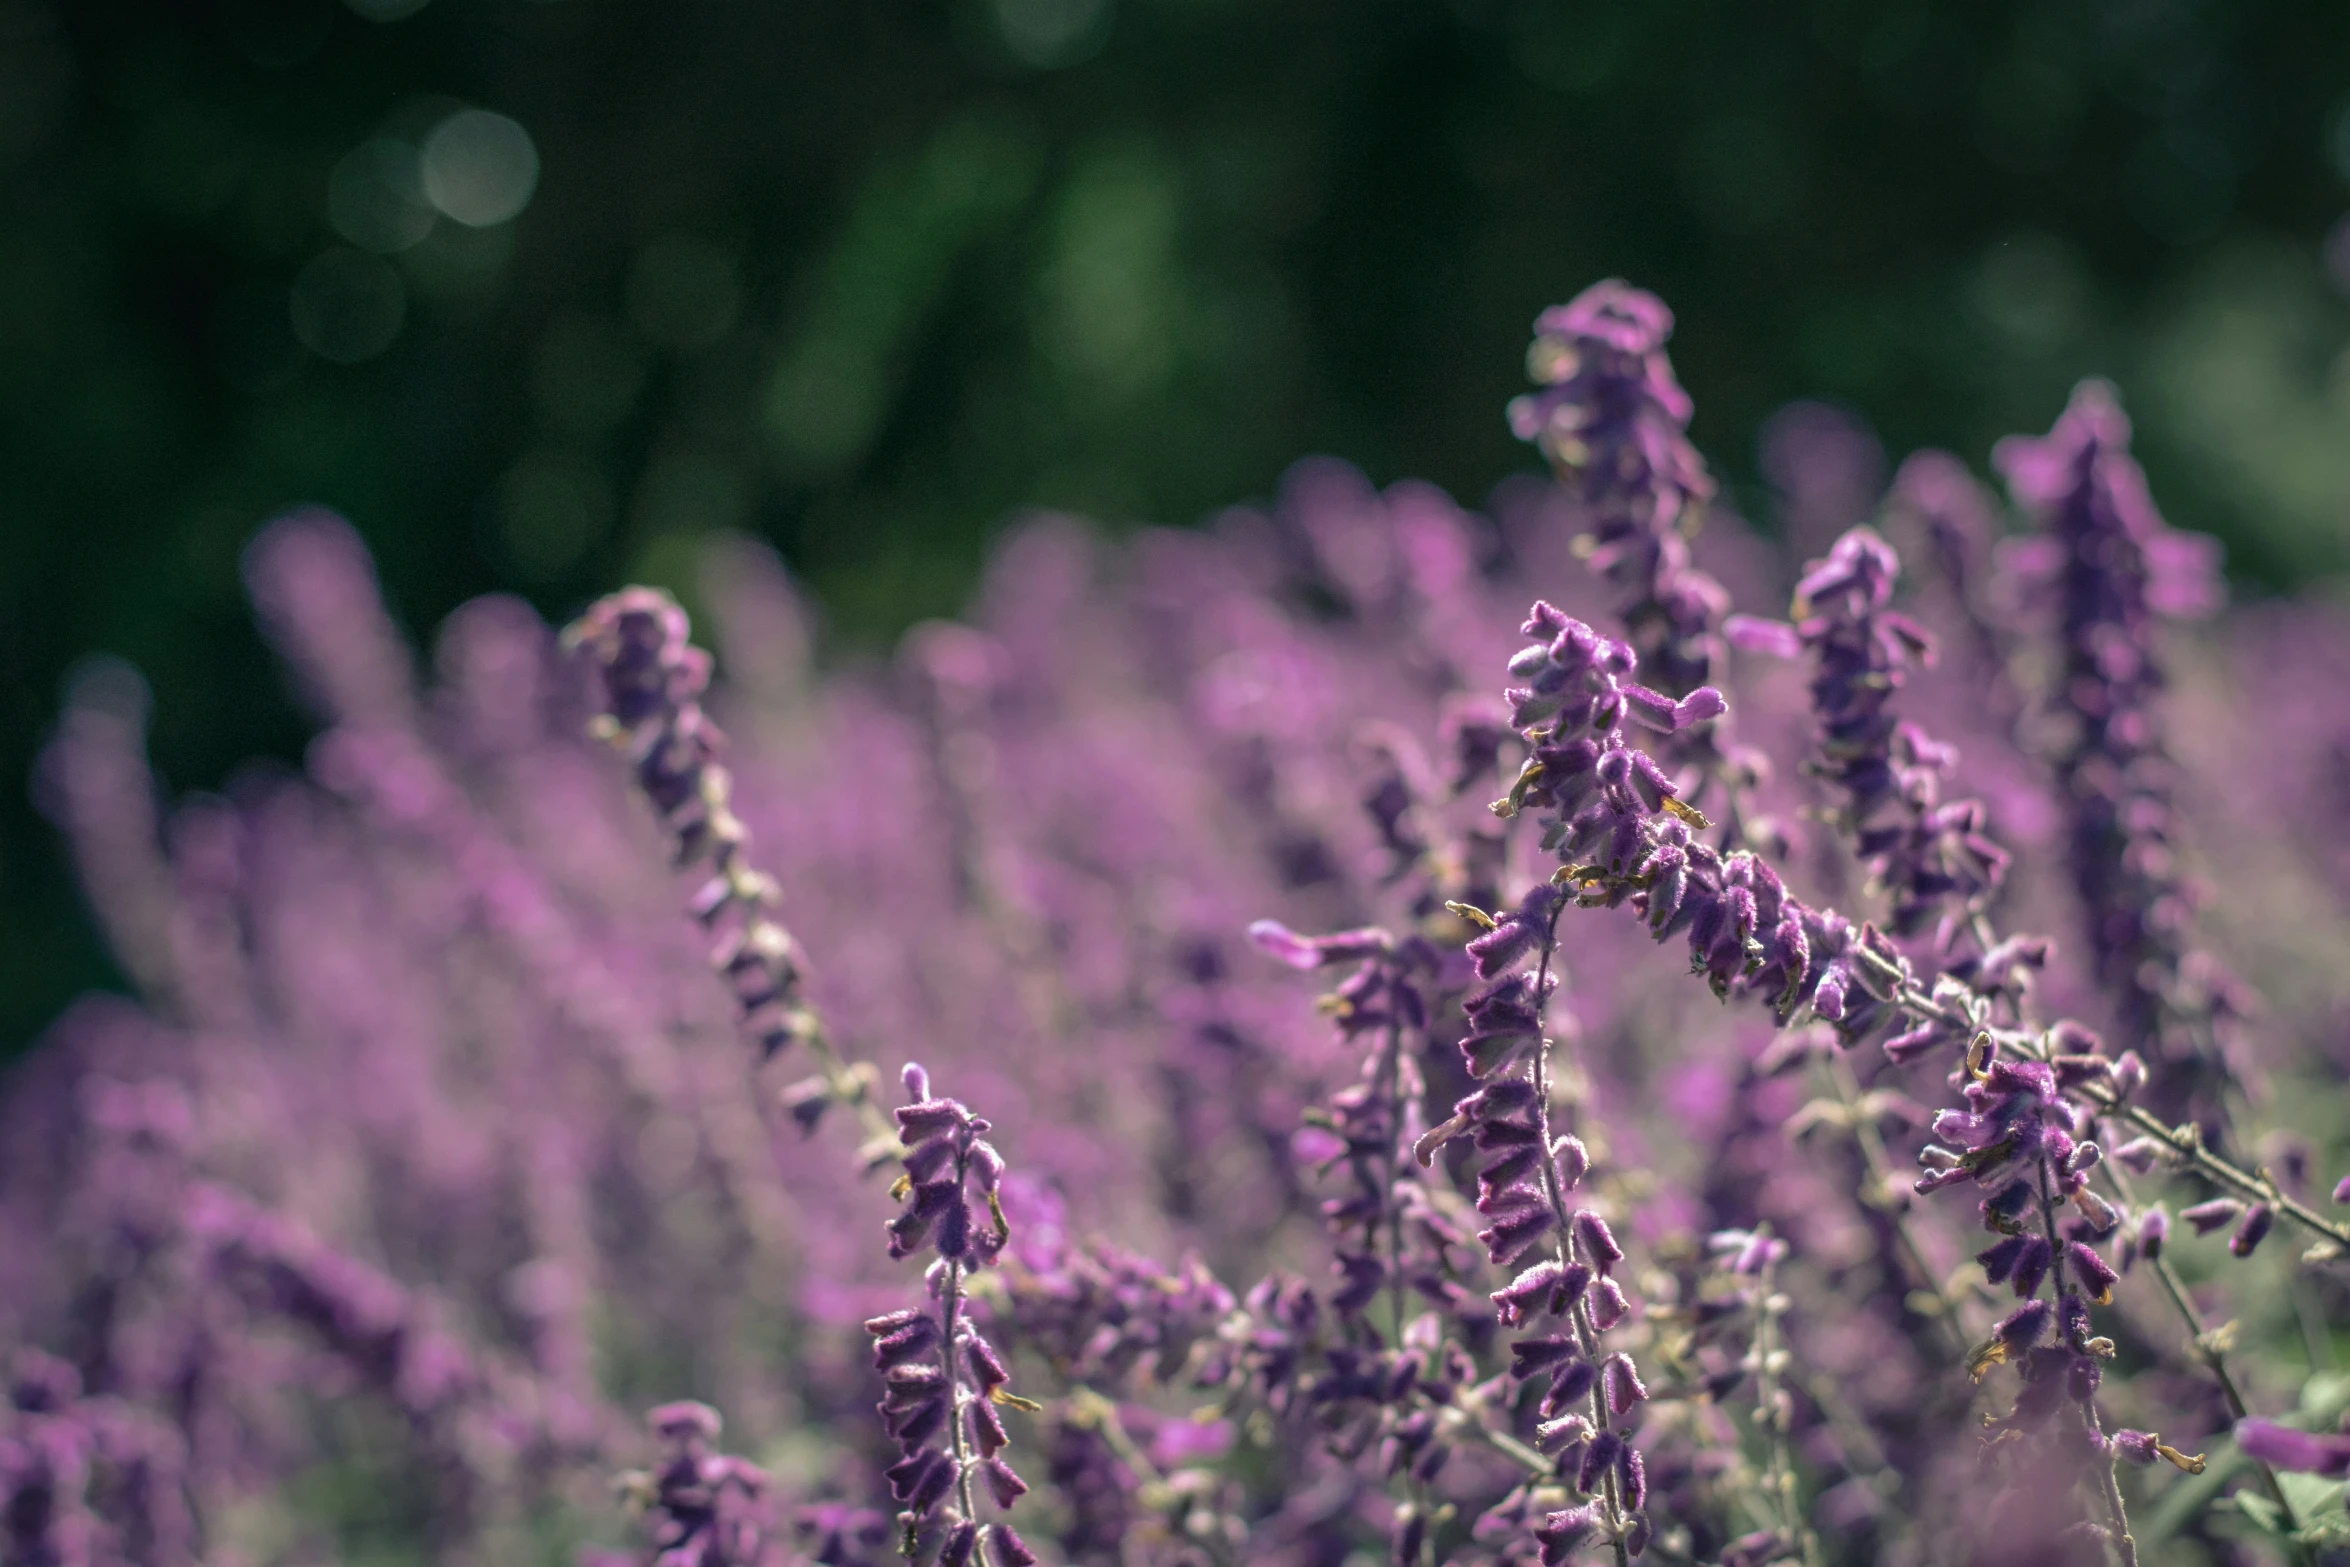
{"x":2095,"y":1274}
{"x":2113,"y":568}
{"x":1622,"y":1384}
{"x":1312,"y":952}
{"x":2259,"y":1219}
{"x":1933,"y":857}
{"x":1561,"y":1534}
{"x":2300,"y":1452}
{"x":941,"y":1377}
{"x":1611,"y":418}
{"x":2215,"y":1214}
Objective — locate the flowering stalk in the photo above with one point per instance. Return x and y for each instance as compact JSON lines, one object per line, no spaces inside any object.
{"x":651,"y":678}
{"x":1936,"y":495}
{"x":1931,"y":858}
{"x":1889,"y":773}
{"x":1613,"y":419}
{"x":2114,"y":568}
{"x":1752,"y":1258}
{"x":945,"y":1380}
{"x":2013,"y":1142}
{"x":1522,"y":1191}
{"x":707,"y":1509}
{"x":1382,"y":998}
{"x":1388,"y":1232}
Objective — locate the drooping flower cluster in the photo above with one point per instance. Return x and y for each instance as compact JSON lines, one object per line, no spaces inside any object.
{"x":1622,"y":832}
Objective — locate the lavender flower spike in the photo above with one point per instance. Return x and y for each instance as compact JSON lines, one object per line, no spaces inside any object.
{"x":651,"y":678}
{"x":2113,"y":569}
{"x":1523,"y":1189}
{"x":1612,"y":419}
{"x":943,"y":1380}
{"x":1932,"y":857}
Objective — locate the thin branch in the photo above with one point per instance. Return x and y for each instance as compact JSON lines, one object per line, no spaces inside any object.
{"x":2207,"y":1349}
{"x":1881,"y":1197}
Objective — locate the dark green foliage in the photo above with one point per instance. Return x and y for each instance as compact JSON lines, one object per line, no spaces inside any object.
{"x":865,"y":275}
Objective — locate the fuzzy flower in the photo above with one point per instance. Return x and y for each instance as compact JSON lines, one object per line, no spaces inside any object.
{"x":1612,"y":419}
{"x":2300,"y":1452}
{"x":1931,"y":856}
{"x":943,"y":1381}
{"x":706,"y":1509}
{"x":2113,"y":570}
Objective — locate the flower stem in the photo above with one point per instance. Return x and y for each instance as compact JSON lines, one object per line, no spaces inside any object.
{"x":1882,"y":1198}
{"x":1579,"y":1315}
{"x":2208,"y":1351}
{"x":950,"y":1319}
{"x":1397,"y":1135}
{"x":1768,"y":1397}
{"x":2184,"y":1140}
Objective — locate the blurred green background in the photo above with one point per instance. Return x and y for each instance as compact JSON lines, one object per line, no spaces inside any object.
{"x":539,"y":291}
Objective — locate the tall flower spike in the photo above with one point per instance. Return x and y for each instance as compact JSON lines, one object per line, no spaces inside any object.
{"x":1385,"y":1370}
{"x":943,"y":1381}
{"x":650,"y":679}
{"x":1932,"y":857}
{"x":1613,"y":421}
{"x":2113,"y":569}
{"x":1565,"y":1297}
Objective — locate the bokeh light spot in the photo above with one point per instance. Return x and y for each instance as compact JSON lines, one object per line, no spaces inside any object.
{"x":480,"y":168}
{"x":2031,"y":288}
{"x":1051,"y":34}
{"x":347,"y":306}
{"x":1111,"y":295}
{"x":375,"y":197}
